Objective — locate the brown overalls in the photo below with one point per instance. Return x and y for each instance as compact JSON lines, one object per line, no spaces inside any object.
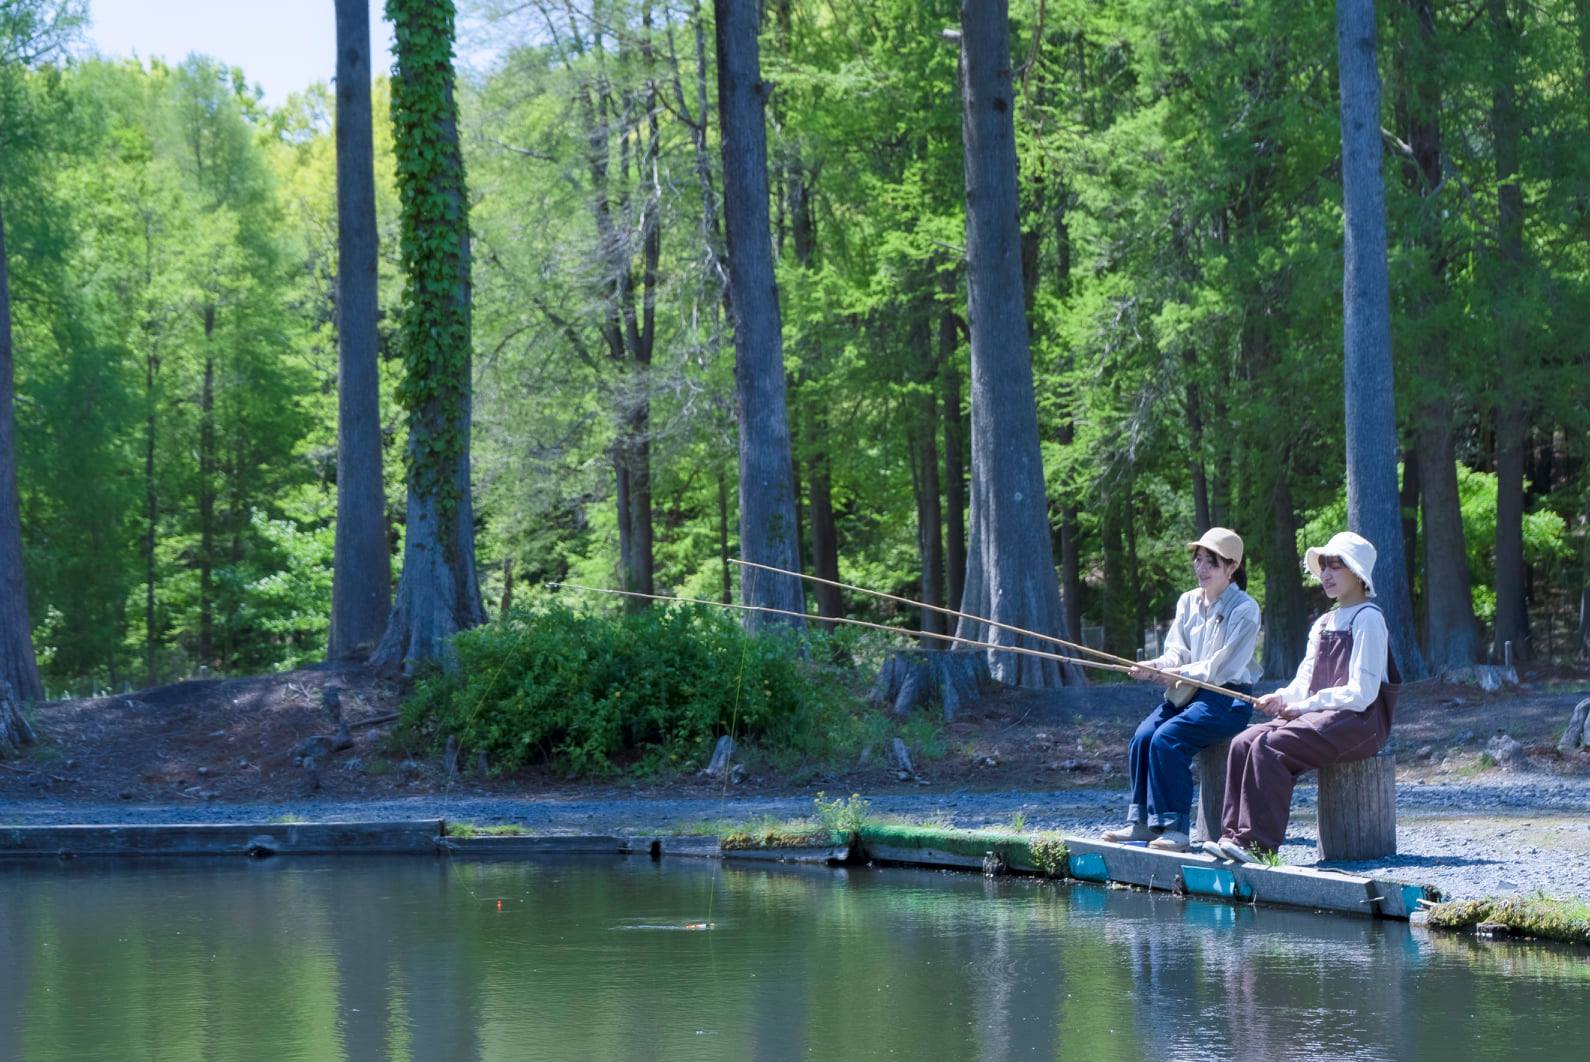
{"x":1266,"y":760}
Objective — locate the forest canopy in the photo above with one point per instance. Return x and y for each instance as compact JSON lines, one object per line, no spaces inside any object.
{"x":171,"y":245}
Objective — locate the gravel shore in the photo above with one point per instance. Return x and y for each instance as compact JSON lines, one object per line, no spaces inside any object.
{"x":1506,"y":834}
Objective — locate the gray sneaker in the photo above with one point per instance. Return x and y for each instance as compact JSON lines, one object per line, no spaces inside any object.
{"x":1236,"y":851}
{"x":1132,"y":831}
{"x":1170,"y":841}
{"x":1213,"y":848}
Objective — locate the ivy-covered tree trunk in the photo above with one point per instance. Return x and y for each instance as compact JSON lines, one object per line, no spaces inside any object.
{"x":361,"y":584}
{"x":1372,"y":500}
{"x":438,"y":593}
{"x":18,"y":665}
{"x":1010,"y":577}
{"x":767,"y":503}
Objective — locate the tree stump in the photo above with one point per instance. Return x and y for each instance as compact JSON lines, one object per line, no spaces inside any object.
{"x":1577,"y":736}
{"x":1211,"y":790}
{"x":911,"y":678}
{"x":1358,"y":808}
{"x":14,"y":729}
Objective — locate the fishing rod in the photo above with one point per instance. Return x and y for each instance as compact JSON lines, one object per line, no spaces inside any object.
{"x":853,"y":622}
{"x":1076,"y":646}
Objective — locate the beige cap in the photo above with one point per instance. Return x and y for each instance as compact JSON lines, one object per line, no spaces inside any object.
{"x":1222,"y":542}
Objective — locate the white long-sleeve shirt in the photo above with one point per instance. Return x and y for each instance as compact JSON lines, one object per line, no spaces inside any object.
{"x":1212,"y":642}
{"x":1366,"y":666}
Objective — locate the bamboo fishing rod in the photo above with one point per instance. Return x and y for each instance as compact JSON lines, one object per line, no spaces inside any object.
{"x":1075,"y":646}
{"x":853,"y":622}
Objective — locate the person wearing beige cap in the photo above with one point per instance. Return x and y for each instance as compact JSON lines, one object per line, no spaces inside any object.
{"x":1212,"y":640}
{"x":1337,"y":708}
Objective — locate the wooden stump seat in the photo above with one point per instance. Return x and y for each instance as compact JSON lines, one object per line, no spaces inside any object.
{"x":1211,"y":791}
{"x":1358,"y":808}
{"x":1357,"y":804}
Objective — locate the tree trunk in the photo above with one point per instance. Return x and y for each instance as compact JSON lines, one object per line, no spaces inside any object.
{"x":1408,"y":509}
{"x":1134,"y":576}
{"x":1009,"y":573}
{"x":1285,"y":603}
{"x":723,"y":538}
{"x":632,"y":475}
{"x":1372,"y":501}
{"x":825,"y":532}
{"x":18,"y":665}
{"x":1358,"y":808}
{"x":1451,"y":632}
{"x":1119,"y":638}
{"x":921,"y":440}
{"x":1070,"y":559}
{"x":361,"y":581}
{"x":151,"y":518}
{"x":954,"y":452}
{"x":439,"y":592}
{"x":206,"y":497}
{"x":767,"y":505}
{"x":1195,"y":447}
{"x":1070,"y":570}
{"x":1512,"y":617}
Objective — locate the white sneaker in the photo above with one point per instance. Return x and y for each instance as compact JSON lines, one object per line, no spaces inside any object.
{"x":1213,"y":848}
{"x":1170,"y":841}
{"x":1235,"y":851}
{"x":1132,"y":831}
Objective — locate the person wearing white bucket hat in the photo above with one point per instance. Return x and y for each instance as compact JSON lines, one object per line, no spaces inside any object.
{"x":1212,"y":640}
{"x":1338,"y":707}
{"x":1354,"y":551}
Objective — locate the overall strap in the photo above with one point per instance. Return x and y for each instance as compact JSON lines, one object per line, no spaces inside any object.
{"x":1362,"y":608}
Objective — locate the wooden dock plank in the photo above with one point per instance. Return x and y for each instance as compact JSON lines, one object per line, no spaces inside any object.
{"x":256,"y":838}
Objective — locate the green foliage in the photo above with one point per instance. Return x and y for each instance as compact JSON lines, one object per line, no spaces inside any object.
{"x":1180,"y":195}
{"x":1049,"y":854}
{"x":640,"y":693}
{"x":838,"y":816}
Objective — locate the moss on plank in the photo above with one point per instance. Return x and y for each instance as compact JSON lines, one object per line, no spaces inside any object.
{"x":782,"y":837}
{"x":1042,"y":853}
{"x":1538,"y":916}
{"x":466,"y":830}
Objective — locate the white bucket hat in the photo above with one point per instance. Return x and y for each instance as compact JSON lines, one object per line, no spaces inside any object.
{"x":1354,"y":550}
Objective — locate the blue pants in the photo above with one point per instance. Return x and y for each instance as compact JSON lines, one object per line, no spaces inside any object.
{"x":1161,"y":753}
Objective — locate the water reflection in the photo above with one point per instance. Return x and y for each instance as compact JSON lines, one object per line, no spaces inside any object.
{"x":409,"y":959}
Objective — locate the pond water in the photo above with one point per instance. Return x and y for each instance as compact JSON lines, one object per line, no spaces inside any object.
{"x":595,"y":959}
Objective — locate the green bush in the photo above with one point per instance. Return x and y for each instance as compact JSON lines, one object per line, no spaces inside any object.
{"x":603,"y":694}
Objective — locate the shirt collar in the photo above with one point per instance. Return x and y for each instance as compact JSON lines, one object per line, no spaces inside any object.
{"x":1229,"y":598}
